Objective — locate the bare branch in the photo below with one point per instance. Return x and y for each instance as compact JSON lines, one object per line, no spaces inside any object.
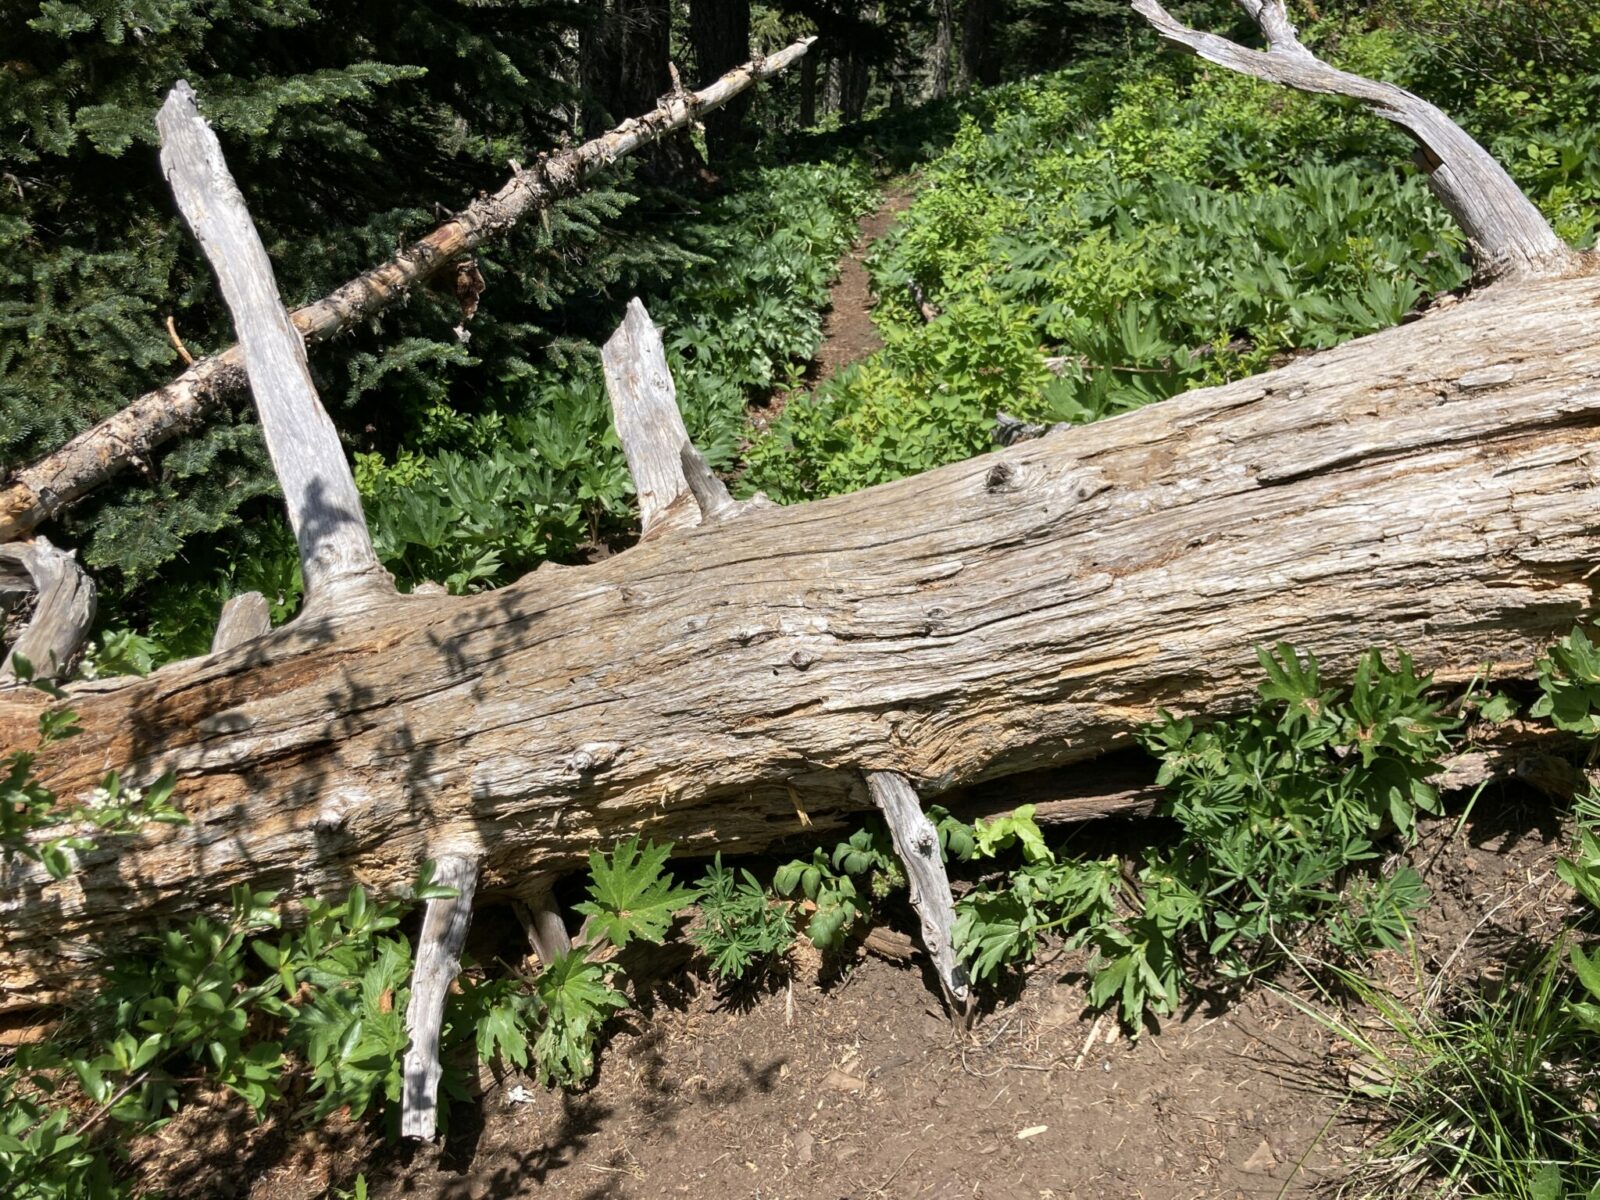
{"x":917,"y":843}
{"x":1507,"y":233}
{"x":55,"y":482}
{"x":336,"y":554}
{"x":444,"y":933}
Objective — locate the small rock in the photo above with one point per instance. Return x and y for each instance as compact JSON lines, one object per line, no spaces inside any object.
{"x":804,"y":1147}
{"x":840,"y":1082}
{"x":1262,"y":1161}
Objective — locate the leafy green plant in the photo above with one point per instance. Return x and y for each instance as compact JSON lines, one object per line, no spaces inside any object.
{"x":1274,"y":808}
{"x":839,"y":887}
{"x":575,"y":997}
{"x":630,"y":895}
{"x":743,"y":929}
{"x":1569,"y":683}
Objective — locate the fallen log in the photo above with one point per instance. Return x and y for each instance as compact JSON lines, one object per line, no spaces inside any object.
{"x":735,"y":680}
{"x":727,"y":685}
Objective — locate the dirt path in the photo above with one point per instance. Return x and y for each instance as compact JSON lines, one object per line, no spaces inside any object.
{"x":848,"y":334}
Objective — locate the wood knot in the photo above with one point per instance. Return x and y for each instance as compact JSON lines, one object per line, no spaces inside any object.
{"x":593,"y":756}
{"x":1000,"y":478}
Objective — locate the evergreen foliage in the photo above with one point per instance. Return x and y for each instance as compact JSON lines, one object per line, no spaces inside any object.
{"x":346,"y":128}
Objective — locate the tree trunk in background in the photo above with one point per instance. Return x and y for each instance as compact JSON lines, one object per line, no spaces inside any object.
{"x":832,"y":83}
{"x":979,"y":63}
{"x":636,"y":40}
{"x":854,"y":79}
{"x":939,"y":52}
{"x":720,"y":33}
{"x":622,"y":67}
{"x":808,"y":91}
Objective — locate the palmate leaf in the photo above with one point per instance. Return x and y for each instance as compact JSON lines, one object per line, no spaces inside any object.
{"x":577,"y":998}
{"x":630,"y":894}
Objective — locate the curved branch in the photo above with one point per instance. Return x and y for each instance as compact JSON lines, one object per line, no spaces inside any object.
{"x":1507,"y":233}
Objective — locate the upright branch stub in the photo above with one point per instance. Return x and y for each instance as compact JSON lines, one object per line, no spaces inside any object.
{"x":666,"y":467}
{"x":444,"y":933}
{"x":644,"y":407}
{"x":1507,"y":234}
{"x":245,"y":617}
{"x":336,"y":552}
{"x":917,"y":843}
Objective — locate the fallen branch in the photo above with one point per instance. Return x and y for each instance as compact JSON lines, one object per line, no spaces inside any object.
{"x":38,"y":492}
{"x":1507,"y":233}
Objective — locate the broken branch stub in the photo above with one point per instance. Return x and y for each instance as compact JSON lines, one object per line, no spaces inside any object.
{"x":245,"y":617}
{"x":644,"y":407}
{"x":1507,"y":233}
{"x":444,"y":933}
{"x":336,"y":554}
{"x":37,"y":493}
{"x":917,"y":843}
{"x":63,"y":598}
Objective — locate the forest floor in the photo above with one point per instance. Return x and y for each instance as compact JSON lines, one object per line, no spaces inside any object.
{"x":849,"y":334}
{"x":859,"y":1087}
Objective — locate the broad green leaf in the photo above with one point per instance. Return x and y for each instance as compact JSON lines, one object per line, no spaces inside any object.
{"x":631,"y":896}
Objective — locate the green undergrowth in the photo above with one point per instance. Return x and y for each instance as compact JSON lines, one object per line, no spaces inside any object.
{"x":1161,"y":229}
{"x":1289,"y":825}
{"x":1487,"y":1086}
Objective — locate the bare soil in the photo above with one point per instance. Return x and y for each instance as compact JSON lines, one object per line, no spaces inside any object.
{"x":848,"y":332}
{"x":861,"y":1087}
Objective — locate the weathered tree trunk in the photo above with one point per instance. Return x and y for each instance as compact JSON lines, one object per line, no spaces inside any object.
{"x":750,"y":673}
{"x":727,"y":686}
{"x":720,"y":33}
{"x":940,"y":48}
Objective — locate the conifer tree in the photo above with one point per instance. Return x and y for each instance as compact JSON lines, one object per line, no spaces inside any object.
{"x":347,"y":126}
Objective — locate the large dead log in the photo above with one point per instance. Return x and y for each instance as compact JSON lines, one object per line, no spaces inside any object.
{"x":726,"y":686}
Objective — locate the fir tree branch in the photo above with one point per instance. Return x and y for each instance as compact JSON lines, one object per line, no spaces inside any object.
{"x":38,"y":492}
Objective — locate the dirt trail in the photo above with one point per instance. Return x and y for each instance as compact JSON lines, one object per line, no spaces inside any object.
{"x":848,"y":334}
